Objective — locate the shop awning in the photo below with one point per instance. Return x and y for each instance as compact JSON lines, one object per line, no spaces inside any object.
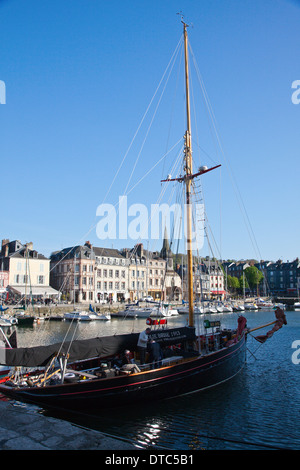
{"x":33,"y":290}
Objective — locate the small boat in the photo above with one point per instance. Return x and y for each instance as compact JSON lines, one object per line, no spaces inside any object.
{"x":183,"y":310}
{"x":212,"y":309}
{"x":227,"y":308}
{"x":279,"y":305}
{"x":99,"y":316}
{"x":102,"y":316}
{"x":238,"y":307}
{"x":24,"y":319}
{"x":140,"y":312}
{"x":264,"y":303}
{"x":297,"y":305}
{"x":6,"y":320}
{"x":134,"y":311}
{"x":197,"y":309}
{"x":125,"y":314}
{"x":163,"y":311}
{"x":79,"y":316}
{"x":250,"y":306}
{"x":220,"y":308}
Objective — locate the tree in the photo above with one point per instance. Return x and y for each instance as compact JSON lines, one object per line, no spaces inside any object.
{"x":232,"y":282}
{"x":253,"y":276}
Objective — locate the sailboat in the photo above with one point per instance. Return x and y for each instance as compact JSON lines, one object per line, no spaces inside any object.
{"x":84,"y":374}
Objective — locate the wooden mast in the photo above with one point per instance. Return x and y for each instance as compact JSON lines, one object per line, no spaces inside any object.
{"x":188,"y":182}
{"x":187,"y":179}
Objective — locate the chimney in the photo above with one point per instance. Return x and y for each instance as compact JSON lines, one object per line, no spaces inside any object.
{"x":5,"y":247}
{"x":140,"y":250}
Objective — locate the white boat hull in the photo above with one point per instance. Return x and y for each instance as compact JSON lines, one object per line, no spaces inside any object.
{"x":7,"y":321}
{"x":78,"y":316}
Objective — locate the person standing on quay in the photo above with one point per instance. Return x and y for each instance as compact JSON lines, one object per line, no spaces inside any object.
{"x":142,"y":344}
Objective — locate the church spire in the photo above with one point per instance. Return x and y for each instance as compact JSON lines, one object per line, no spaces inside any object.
{"x":166,"y":252}
{"x":166,"y":246}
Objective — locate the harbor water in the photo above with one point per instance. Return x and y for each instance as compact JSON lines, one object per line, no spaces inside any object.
{"x":256,"y":410}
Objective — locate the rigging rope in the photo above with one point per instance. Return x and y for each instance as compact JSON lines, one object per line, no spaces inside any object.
{"x":234,"y":183}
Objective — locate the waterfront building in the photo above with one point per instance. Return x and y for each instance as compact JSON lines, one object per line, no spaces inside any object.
{"x":146,"y":273}
{"x":28,"y":271}
{"x":137,"y":275}
{"x":235,"y":268}
{"x":151,"y":274}
{"x":4,"y":279}
{"x":111,"y":275}
{"x":87,"y":274}
{"x":282,"y":278}
{"x":208,"y":280}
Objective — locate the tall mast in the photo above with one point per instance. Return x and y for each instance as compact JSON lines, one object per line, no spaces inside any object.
{"x":187,"y":179}
{"x":188,"y":182}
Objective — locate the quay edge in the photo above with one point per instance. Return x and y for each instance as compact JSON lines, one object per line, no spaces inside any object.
{"x":24,"y":429}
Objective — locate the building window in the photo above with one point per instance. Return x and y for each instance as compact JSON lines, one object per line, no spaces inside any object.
{"x":110,"y":273}
{"x":99,"y":285}
{"x":110,"y":285}
{"x":41,"y":279}
{"x":84,"y":281}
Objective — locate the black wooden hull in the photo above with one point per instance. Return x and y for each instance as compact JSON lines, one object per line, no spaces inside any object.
{"x":197,"y":374}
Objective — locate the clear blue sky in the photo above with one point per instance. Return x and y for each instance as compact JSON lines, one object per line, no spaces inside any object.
{"x":79,"y":75}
